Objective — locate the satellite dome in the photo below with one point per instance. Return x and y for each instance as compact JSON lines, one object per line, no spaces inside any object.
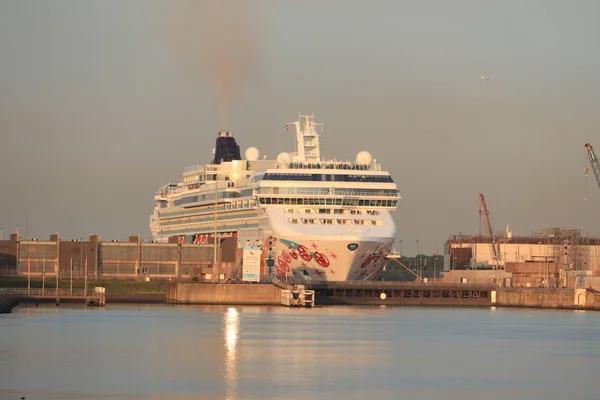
{"x":252,"y":154}
{"x":364,"y":158}
{"x":284,"y":158}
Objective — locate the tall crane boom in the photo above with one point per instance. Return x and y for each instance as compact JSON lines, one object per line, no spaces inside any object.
{"x":484,"y":212}
{"x":593,"y":162}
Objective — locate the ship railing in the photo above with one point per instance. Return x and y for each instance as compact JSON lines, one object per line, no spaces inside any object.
{"x":419,"y":284}
{"x":334,"y":165}
{"x":47,"y":292}
{"x":325,"y":192}
{"x":351,"y":193}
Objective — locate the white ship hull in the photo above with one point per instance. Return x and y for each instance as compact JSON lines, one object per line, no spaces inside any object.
{"x":326,"y":252}
{"x":326,"y":259}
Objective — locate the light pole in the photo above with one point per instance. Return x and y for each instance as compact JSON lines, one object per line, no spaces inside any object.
{"x":434,"y":254}
{"x":85,"y":270}
{"x":215,"y":253}
{"x":57,"y":273}
{"x":71,"y":280}
{"x":80,"y":256}
{"x":547,"y":268}
{"x":417,"y":259}
{"x":28,"y":274}
{"x":97,"y":258}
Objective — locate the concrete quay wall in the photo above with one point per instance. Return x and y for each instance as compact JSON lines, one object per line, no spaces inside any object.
{"x":207,"y":293}
{"x":576,"y":299}
{"x":267,"y":294}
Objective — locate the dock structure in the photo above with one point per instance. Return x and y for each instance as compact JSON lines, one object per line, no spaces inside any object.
{"x":403,"y":293}
{"x":295,"y":295}
{"x":6,"y":305}
{"x":90,"y":297}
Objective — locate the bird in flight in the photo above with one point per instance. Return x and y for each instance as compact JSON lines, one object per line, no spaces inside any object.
{"x":485,"y":79}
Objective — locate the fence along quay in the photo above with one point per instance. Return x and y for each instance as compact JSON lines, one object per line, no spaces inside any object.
{"x":90,"y":297}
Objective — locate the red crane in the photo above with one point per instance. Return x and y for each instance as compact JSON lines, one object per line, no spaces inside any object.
{"x":484,"y":212}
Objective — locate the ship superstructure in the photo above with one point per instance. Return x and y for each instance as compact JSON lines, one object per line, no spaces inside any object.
{"x":316,"y":219}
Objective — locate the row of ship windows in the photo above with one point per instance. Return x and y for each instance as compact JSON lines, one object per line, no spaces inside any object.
{"x":194,"y":230}
{"x":207,"y":217}
{"x":338,"y":211}
{"x":328,"y":191}
{"x":323,"y":221}
{"x":211,"y":196}
{"x":328,"y":202}
{"x":327,"y":177}
{"x":233,"y":205}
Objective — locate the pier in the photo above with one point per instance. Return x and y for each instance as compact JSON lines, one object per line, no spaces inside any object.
{"x":295,"y":295}
{"x":90,"y":297}
{"x":403,"y":293}
{"x":330,"y":293}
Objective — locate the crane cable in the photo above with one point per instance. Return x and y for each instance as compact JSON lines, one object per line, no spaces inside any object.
{"x":585,"y":171}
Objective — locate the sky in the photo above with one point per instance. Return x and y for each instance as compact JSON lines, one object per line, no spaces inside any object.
{"x":103,"y":102}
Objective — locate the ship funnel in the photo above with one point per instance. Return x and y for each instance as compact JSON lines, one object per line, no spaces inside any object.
{"x":226,"y":149}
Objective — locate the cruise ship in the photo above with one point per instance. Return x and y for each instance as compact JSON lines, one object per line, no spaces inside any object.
{"x":315,"y":219}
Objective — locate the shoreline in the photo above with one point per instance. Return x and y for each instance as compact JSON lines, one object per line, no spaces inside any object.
{"x":160,"y":299}
{"x":164,"y":292}
{"x":136,"y":298}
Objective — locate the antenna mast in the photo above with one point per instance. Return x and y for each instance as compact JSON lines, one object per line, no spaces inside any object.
{"x":307,"y":139}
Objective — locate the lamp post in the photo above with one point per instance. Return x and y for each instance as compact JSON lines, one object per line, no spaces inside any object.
{"x":57,"y":266}
{"x":417,"y":259}
{"x":434,"y":254}
{"x":71,"y":279}
{"x":97,"y":259}
{"x":28,"y":275}
{"x":547,"y":266}
{"x":85,"y":270}
{"x":215,"y":252}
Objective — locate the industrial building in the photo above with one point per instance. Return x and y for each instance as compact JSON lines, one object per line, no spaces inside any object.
{"x":552,"y":258}
{"x":133,"y":259}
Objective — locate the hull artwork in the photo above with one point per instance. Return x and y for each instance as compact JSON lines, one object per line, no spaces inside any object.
{"x":326,"y":260}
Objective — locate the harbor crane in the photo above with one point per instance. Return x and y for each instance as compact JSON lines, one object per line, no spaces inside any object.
{"x":593,"y":162}
{"x":485,"y":213}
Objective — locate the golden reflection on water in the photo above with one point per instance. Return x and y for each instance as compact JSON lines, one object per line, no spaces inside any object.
{"x":231,"y":327}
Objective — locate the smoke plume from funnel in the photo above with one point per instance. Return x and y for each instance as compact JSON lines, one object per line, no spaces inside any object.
{"x":215,"y":41}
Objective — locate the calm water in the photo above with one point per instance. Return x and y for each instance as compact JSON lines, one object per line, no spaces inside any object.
{"x":195,"y":352}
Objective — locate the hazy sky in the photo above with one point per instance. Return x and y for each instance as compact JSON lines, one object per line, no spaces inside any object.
{"x":98,"y":107}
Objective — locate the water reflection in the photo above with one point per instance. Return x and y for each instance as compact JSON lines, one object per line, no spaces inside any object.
{"x":201,"y":352}
{"x":231,"y":327}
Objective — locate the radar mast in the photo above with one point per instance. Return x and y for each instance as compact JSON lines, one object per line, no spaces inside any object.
{"x":307,"y":139}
